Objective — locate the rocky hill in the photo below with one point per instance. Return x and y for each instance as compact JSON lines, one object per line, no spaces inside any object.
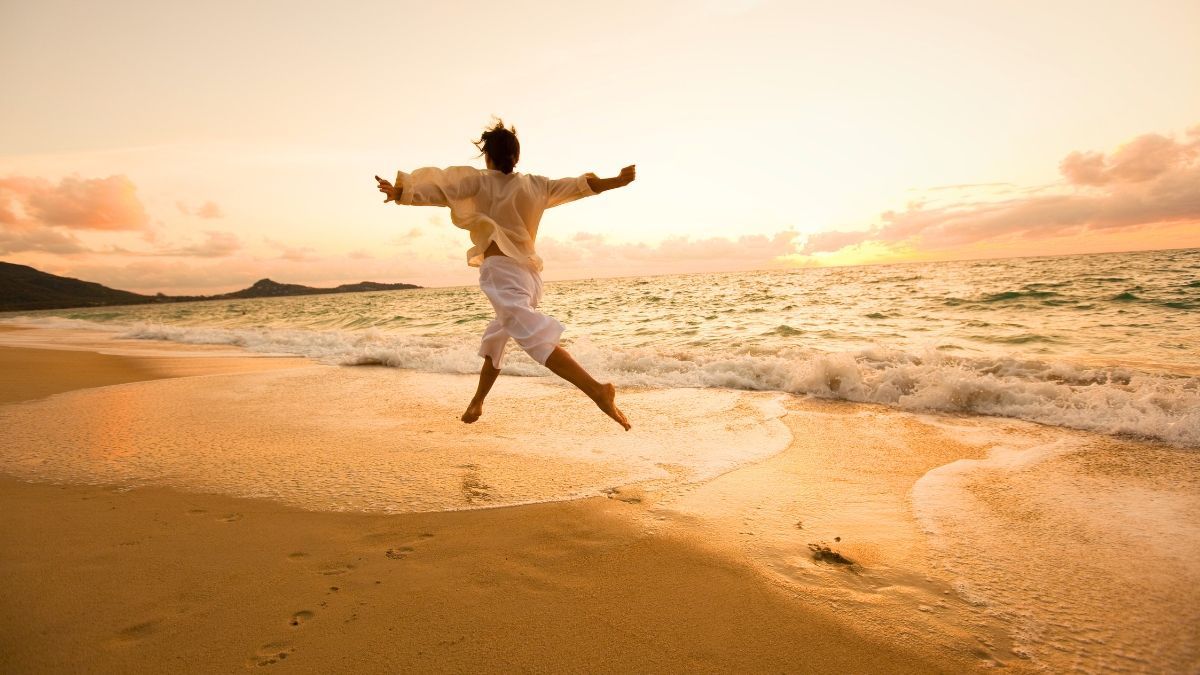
{"x":25,"y":288}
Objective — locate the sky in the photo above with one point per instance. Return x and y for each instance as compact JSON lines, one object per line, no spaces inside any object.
{"x":162,"y":146}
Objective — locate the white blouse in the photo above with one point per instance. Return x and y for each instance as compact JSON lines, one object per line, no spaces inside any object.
{"x":493,"y":206}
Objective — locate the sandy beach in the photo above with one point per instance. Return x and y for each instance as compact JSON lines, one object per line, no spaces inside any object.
{"x":208,"y":510}
{"x":100,"y":580}
{"x":110,"y":579}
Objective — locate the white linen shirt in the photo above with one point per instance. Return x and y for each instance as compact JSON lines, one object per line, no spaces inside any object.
{"x":493,"y":206}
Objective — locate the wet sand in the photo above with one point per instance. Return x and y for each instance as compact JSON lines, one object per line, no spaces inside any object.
{"x":28,"y":374}
{"x":108,"y":579}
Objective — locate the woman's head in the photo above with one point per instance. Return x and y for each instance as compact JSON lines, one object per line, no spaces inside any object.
{"x":501,"y":146}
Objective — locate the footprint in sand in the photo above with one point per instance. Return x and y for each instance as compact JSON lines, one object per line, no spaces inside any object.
{"x":300,"y":617}
{"x":230,"y":518}
{"x":404,"y":550}
{"x":629,"y":495}
{"x":138,"y":631}
{"x":330,"y":570}
{"x":399,"y":553}
{"x":474,"y":489}
{"x":272,"y":652}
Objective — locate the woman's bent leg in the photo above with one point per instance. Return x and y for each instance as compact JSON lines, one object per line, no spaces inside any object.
{"x":603,"y":395}
{"x":487,"y":377}
{"x":514,"y":291}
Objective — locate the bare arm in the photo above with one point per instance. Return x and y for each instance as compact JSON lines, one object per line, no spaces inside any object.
{"x":598,"y":185}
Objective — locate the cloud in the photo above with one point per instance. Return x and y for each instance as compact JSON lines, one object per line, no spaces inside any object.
{"x":76,"y":203}
{"x":1144,"y":158}
{"x":405,"y":238}
{"x":293,"y":253}
{"x":215,"y":245}
{"x":209,"y":210}
{"x":833,"y":240}
{"x":748,"y":248}
{"x":1151,"y":181}
{"x":38,"y":215}
{"x":47,"y":240}
{"x":586,"y":253}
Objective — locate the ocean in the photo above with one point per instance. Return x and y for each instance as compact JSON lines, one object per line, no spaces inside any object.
{"x":1107,"y":342}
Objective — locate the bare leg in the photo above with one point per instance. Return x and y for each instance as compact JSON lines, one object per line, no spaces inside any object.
{"x":604,"y":395}
{"x":487,"y":377}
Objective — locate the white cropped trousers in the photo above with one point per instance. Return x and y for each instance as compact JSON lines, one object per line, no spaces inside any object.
{"x":515,"y":290}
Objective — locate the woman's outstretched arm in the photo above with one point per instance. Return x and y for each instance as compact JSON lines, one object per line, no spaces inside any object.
{"x":627,"y":176}
{"x":566,"y":190}
{"x":431,"y":186}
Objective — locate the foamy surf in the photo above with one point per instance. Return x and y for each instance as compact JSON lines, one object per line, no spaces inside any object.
{"x":1084,"y":547}
{"x":1107,"y":399}
{"x":379,"y":440}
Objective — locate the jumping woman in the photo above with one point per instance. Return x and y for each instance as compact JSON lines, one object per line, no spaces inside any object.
{"x":501,"y":209}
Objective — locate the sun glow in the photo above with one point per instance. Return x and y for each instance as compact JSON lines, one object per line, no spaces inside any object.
{"x":770,"y":119}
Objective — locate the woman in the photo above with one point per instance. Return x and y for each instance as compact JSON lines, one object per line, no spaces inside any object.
{"x":502,"y":209}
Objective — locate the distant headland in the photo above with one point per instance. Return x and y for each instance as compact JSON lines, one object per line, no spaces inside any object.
{"x":25,"y":288}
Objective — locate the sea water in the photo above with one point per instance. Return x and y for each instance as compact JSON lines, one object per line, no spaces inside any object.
{"x":1107,"y":343}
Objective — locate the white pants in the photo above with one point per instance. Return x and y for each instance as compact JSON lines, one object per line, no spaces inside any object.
{"x":514,"y":291}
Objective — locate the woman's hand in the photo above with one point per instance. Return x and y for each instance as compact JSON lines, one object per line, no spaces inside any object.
{"x":392,"y":192}
{"x":598,"y":185}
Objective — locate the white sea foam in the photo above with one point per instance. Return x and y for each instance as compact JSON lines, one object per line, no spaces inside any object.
{"x":1111,"y":400}
{"x":1053,"y":537}
{"x":1108,"y":400}
{"x":61,"y":323}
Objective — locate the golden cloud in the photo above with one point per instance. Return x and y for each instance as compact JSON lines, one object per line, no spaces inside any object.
{"x":1151,"y":181}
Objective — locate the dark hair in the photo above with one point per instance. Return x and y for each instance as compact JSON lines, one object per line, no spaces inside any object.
{"x":500,"y":144}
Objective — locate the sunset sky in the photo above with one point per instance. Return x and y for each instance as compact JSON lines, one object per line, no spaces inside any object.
{"x":197,"y":147}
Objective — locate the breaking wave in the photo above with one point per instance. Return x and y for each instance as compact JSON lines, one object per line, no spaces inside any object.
{"x":1111,"y":400}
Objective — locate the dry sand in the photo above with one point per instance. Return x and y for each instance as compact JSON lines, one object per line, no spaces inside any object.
{"x":103,"y":579}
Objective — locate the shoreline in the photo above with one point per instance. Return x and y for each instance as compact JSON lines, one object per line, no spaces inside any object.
{"x":116,"y":579}
{"x":1131,"y":396}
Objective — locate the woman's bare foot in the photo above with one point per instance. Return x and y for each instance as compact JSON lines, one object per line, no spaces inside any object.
{"x":607,"y":401}
{"x":603,"y":395}
{"x":473,"y":412}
